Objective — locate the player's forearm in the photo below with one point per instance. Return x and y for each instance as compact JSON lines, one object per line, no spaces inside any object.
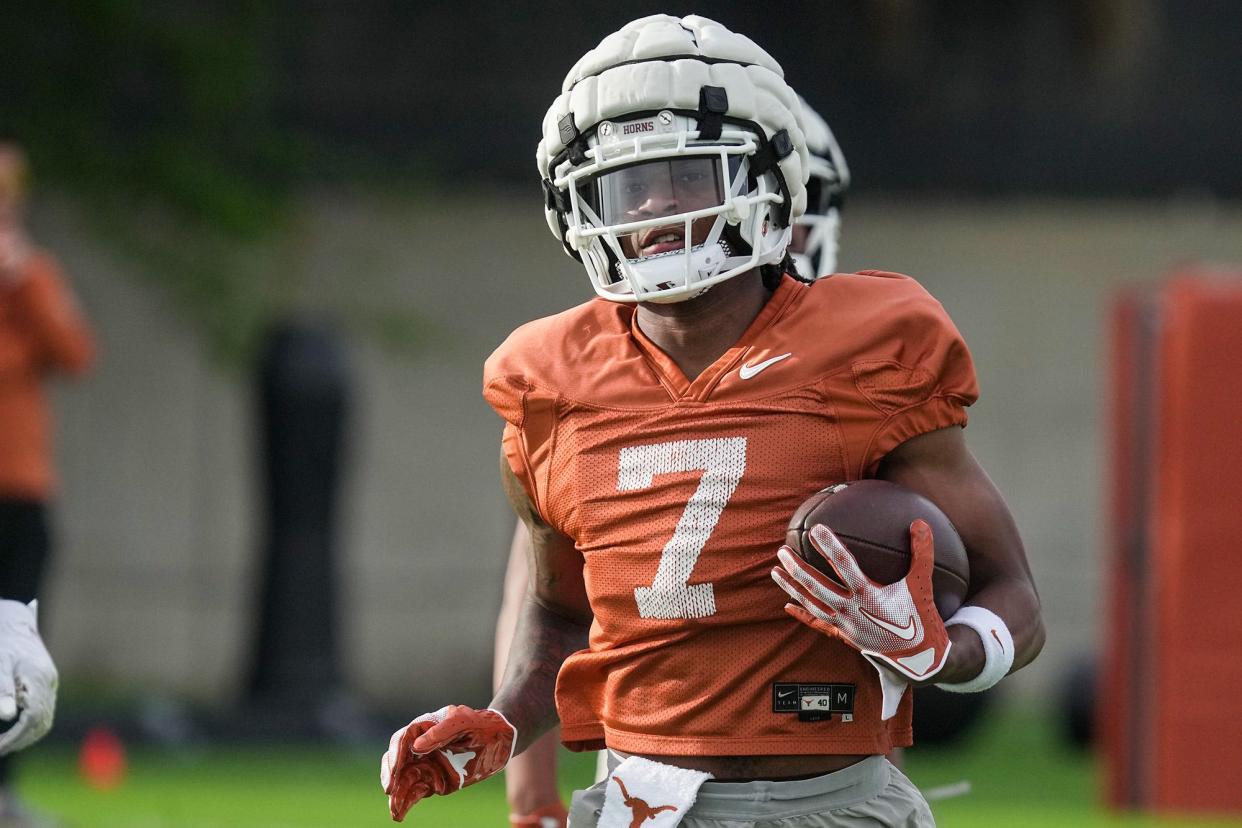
{"x":527,"y":696}
{"x":1017,"y":604}
{"x":513,"y":596}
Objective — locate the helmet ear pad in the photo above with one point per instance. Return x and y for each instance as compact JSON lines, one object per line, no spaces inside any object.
{"x":763,"y":229}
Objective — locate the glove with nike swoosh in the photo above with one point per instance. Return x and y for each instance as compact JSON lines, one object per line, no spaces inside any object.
{"x":442,"y":752}
{"x":895,"y":627}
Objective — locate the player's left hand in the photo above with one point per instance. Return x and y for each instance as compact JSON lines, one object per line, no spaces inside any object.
{"x":896,"y":627}
{"x":28,"y":677}
{"x":442,"y":752}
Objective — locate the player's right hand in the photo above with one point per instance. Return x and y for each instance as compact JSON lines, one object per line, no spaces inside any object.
{"x":894,"y":626}
{"x":442,"y":752}
{"x":27,"y":677}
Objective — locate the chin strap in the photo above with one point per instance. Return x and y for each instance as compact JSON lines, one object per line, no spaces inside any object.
{"x":723,"y":243}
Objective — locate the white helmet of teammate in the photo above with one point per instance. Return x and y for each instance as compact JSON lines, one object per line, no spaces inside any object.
{"x":673,"y":159}
{"x":825,"y":191}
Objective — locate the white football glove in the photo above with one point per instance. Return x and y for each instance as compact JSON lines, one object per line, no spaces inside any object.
{"x":895,"y":627}
{"x":27,"y":677}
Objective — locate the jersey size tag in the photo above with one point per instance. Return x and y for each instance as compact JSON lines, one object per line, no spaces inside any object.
{"x":814,"y":702}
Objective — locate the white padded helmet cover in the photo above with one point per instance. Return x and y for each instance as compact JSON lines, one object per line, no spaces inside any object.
{"x":598,"y":89}
{"x":662,"y":36}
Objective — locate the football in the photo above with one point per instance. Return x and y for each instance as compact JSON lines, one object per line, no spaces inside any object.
{"x":872,"y":518}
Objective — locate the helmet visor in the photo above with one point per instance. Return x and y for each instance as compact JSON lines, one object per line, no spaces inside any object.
{"x":662,"y":188}
{"x":656,"y":189}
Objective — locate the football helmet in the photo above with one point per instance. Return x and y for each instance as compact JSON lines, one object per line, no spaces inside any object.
{"x":673,"y":159}
{"x":825,"y":194}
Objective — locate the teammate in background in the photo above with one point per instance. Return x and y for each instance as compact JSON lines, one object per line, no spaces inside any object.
{"x":816,"y":237}
{"x":656,"y":444}
{"x":42,"y":331}
{"x":530,"y":779}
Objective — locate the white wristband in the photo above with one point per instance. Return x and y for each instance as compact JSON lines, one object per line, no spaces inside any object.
{"x":997,"y":648}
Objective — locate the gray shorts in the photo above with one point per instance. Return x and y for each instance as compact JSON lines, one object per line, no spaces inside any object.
{"x":872,"y":792}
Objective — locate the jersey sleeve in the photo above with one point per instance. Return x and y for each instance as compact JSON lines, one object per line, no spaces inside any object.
{"x":529,"y":413}
{"x":920,"y":377}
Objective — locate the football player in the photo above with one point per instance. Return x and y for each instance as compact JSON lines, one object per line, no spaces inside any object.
{"x":42,"y":333}
{"x":657,"y":442}
{"x":530,"y":779}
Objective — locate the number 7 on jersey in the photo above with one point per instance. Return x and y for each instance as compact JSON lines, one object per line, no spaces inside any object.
{"x":723,"y":462}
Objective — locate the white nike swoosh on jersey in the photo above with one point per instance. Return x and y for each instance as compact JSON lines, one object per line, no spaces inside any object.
{"x":906,"y":632}
{"x":748,"y":371}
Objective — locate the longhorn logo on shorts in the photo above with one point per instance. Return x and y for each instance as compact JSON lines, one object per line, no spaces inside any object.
{"x":639,"y":807}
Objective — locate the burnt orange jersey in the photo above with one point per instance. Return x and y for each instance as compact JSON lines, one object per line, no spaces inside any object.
{"x":677,"y":492}
{"x":41,"y":331}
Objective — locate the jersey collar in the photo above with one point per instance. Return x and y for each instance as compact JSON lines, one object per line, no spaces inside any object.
{"x":681,"y":387}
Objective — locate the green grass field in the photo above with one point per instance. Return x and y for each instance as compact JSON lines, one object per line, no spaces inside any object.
{"x":1019,"y":775}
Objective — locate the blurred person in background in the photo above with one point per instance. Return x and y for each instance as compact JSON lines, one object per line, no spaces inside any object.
{"x":816,"y":235}
{"x":530,"y":778}
{"x":42,"y":332}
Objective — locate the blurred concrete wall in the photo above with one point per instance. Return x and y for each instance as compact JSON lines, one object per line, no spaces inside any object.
{"x":153,"y":586}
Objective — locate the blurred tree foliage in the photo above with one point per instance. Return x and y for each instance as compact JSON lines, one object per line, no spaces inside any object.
{"x":163,"y":116}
